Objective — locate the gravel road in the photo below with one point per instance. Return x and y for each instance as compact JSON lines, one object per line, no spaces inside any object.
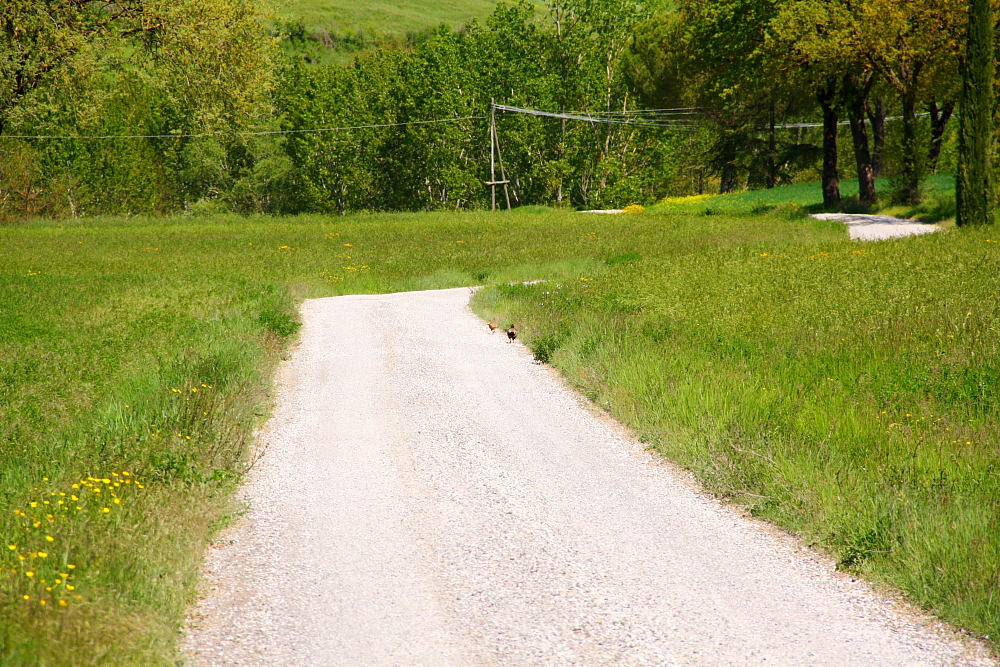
{"x":430,"y":496}
{"x":867,"y":227}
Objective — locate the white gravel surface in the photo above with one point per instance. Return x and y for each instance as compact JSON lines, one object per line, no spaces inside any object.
{"x":865,"y":227}
{"x":430,"y":496}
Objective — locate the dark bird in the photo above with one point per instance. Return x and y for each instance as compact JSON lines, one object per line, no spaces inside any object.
{"x":493,"y":325}
{"x":511,"y":333}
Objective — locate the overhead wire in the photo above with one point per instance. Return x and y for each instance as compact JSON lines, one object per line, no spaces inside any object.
{"x":654,"y":118}
{"x":603,"y":117}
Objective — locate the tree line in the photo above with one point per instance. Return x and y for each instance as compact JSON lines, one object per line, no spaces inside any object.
{"x":213,"y":105}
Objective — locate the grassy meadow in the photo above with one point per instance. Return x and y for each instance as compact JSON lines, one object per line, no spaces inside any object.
{"x":847,"y":392}
{"x":938,"y":193}
{"x":382,"y":17}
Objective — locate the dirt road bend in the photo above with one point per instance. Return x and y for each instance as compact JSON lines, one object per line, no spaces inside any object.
{"x":430,"y":496}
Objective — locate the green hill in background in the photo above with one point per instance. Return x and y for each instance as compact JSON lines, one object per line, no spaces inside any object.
{"x":392,"y":17}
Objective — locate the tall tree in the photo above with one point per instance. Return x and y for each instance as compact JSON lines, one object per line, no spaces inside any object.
{"x":728,"y":73}
{"x":905,"y":42}
{"x":974,"y":184}
{"x":856,"y":100}
{"x":807,"y":39}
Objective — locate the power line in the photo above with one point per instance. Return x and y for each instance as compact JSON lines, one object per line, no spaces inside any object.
{"x":237,"y":134}
{"x":794,"y":126}
{"x":599,"y":117}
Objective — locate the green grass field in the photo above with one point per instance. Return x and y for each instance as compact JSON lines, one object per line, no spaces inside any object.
{"x":382,"y":17}
{"x":759,"y":351}
{"x":938,"y":192}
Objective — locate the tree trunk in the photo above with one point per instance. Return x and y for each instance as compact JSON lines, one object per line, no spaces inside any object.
{"x":910,"y":174}
{"x":877,"y":118}
{"x":771,"y":145}
{"x":728,"y":180}
{"x":856,"y":98}
{"x":974,"y":181}
{"x":939,"y":121}
{"x":831,"y":171}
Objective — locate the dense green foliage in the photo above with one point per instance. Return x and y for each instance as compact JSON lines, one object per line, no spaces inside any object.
{"x":235,"y":108}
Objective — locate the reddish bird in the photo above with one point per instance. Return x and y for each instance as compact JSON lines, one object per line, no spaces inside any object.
{"x":493,"y":325}
{"x":511,"y":333}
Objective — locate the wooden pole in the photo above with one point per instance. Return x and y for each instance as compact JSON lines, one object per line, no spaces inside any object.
{"x":503,"y":173}
{"x":493,"y":139}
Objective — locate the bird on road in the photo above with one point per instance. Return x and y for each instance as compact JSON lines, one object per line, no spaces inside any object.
{"x":493,"y":325}
{"x":511,"y":333}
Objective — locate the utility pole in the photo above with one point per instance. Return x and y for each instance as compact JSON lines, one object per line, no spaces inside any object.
{"x":494,"y":157}
{"x":493,"y":142}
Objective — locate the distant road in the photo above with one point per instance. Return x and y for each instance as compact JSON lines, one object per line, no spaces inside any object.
{"x":867,"y":227}
{"x":430,"y":496}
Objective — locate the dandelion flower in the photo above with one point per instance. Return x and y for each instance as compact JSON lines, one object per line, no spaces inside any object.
{"x":72,"y":567}
{"x":12,"y":547}
{"x":49,"y":538}
{"x":42,"y":554}
{"x":27,"y":597}
{"x":62,"y":603}
{"x":70,"y":587}
{"x":105,"y":510}
{"x":29,"y":574}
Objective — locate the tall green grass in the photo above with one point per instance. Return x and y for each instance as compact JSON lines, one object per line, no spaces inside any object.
{"x":848,"y":392}
{"x":146,"y":346}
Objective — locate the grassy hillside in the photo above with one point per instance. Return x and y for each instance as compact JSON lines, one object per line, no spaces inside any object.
{"x":760,"y":351}
{"x":397,"y":17}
